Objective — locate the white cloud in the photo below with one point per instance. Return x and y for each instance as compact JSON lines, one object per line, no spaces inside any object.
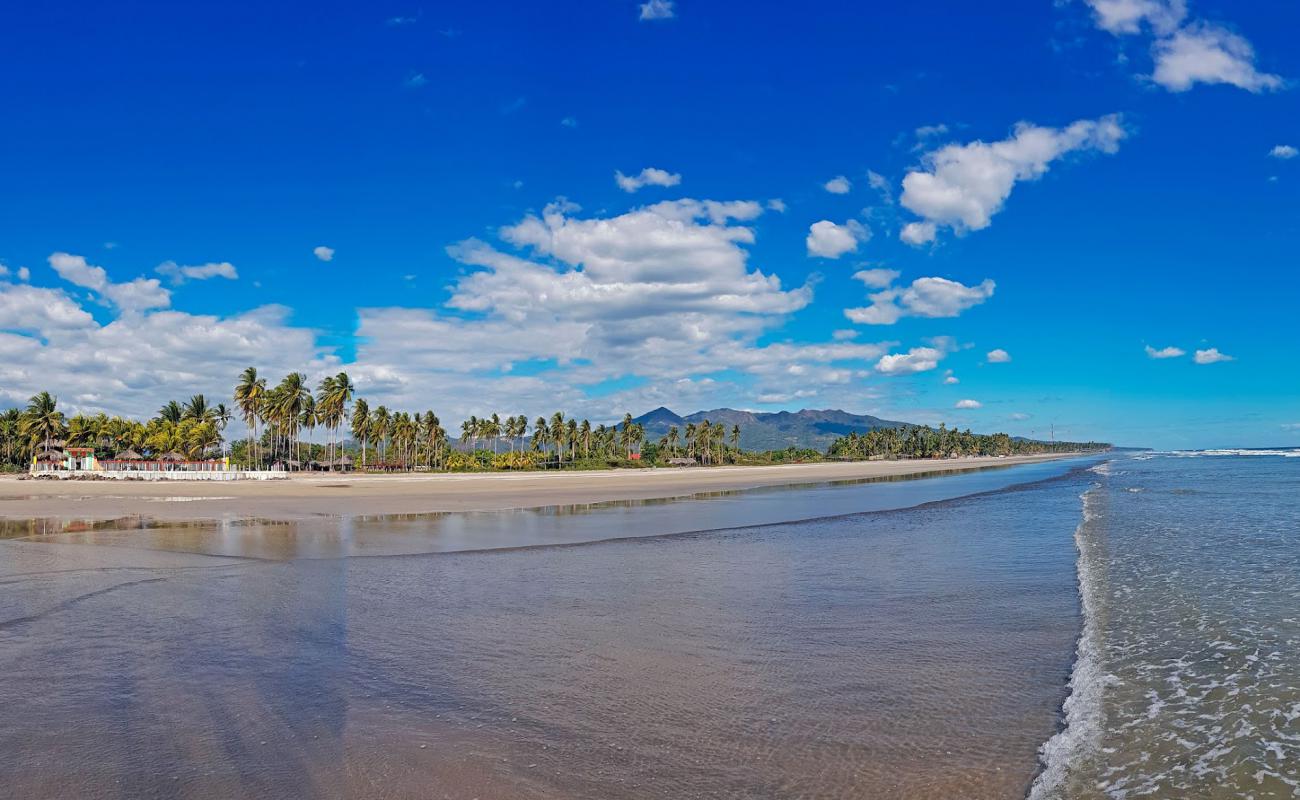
{"x":999,"y":356}
{"x":1128,"y":16}
{"x":881,"y":184}
{"x":1019,"y":416}
{"x":776,"y":204}
{"x":1185,"y":52}
{"x":1211,"y":356}
{"x":198,"y":272}
{"x":844,"y":334}
{"x":962,"y":186}
{"x":569,"y":122}
{"x":416,"y":80}
{"x":918,"y":233}
{"x":140,"y":294}
{"x":828,"y":240}
{"x":650,"y":176}
{"x":918,"y":359}
{"x":1284,"y":152}
{"x":133,"y":364}
{"x":876,"y":278}
{"x":1203,"y":53}
{"x":323,"y":253}
{"x":657,"y":9}
{"x":838,"y":185}
{"x":951,"y":380}
{"x":968,"y":404}
{"x":1165,"y":352}
{"x":24,"y":274}
{"x":925,"y":297}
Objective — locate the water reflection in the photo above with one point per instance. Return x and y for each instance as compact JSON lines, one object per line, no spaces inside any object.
{"x":398,"y":534}
{"x":918,"y":653}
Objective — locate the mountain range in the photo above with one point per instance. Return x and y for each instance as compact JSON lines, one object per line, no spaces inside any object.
{"x":811,"y":428}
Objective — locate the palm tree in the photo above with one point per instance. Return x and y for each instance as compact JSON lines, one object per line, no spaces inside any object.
{"x":540,"y":435}
{"x":290,"y":397}
{"x":379,"y":427}
{"x":627,"y":434}
{"x":361,"y":425}
{"x":196,"y":409}
{"x":249,"y":393}
{"x":42,"y":420}
{"x":171,"y":412}
{"x":672,"y":440}
{"x":10,"y":421}
{"x":557,"y":434}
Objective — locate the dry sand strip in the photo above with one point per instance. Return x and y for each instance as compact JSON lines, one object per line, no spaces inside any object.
{"x":335,"y":495}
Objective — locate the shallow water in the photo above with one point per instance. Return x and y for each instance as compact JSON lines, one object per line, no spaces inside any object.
{"x":908,"y":653}
{"x":1189,"y":684}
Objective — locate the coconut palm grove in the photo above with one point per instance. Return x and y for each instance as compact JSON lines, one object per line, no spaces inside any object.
{"x":290,"y":426}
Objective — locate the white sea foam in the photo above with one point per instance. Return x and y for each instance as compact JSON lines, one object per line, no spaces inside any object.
{"x":1084,"y":714}
{"x":1288,"y":453}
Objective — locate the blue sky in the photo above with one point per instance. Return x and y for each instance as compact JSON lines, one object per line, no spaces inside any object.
{"x":1115,"y":170}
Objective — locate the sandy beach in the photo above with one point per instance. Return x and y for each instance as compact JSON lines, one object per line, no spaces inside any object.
{"x":308,"y":496}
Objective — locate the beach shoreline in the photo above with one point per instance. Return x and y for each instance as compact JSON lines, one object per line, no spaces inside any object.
{"x":313,"y":495}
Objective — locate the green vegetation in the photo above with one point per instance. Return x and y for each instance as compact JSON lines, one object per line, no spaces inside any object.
{"x":922,"y":441}
{"x":277,"y":418}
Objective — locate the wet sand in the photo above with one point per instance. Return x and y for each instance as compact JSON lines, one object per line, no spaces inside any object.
{"x":307,"y":496}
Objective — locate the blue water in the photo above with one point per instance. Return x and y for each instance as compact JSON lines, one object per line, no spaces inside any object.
{"x":1188,"y":677}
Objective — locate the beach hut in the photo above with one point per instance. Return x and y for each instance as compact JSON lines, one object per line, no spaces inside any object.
{"x":128,"y":455}
{"x":341,"y":464}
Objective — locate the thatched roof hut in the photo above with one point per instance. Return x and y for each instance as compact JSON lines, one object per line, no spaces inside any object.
{"x":49,"y":457}
{"x":128,"y":455}
{"x":172,"y":458}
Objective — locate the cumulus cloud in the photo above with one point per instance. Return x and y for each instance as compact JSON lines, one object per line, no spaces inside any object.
{"x":968,"y":404}
{"x":657,"y":10}
{"x":961,"y":186}
{"x":650,"y":176}
{"x":951,"y":380}
{"x":179,"y":274}
{"x":829,"y":240}
{"x":592,"y":314}
{"x":1165,"y":352}
{"x":133,"y":363}
{"x":1203,"y":53}
{"x":1284,"y":152}
{"x":999,"y":356}
{"x":1211,"y":356}
{"x":925,"y":297}
{"x":139,"y":294}
{"x":323,"y":253}
{"x":838,"y":185}
{"x":918,"y":359}
{"x":876,"y":278}
{"x":1185,"y":51}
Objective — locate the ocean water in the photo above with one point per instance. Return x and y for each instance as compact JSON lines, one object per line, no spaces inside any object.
{"x":892,"y":650}
{"x":1109,"y":628}
{"x":1187,"y":683}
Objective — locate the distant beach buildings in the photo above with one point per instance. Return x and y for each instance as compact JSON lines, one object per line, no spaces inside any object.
{"x":53,"y":459}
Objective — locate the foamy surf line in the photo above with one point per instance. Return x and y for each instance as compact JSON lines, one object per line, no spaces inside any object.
{"x":1081,"y":734}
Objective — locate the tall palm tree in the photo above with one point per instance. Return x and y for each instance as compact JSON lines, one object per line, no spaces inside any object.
{"x":290,"y":397}
{"x":361,"y":424}
{"x":249,"y":393}
{"x":557,"y":434}
{"x":379,"y":428}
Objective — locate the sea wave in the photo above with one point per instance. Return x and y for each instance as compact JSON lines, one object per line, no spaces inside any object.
{"x":1084,"y":715}
{"x":1287,"y":453}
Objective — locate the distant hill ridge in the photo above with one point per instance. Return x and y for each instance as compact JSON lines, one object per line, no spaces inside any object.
{"x":814,"y":428}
